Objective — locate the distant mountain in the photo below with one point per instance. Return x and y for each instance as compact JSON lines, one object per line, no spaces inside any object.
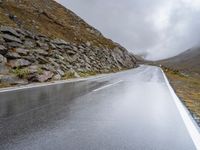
{"x":188,"y":61}
{"x":139,"y":59}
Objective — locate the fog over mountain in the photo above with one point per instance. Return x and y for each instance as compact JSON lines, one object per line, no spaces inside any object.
{"x":154,"y":28}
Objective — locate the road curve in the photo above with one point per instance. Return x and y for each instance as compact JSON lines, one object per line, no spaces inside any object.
{"x":130,"y":110}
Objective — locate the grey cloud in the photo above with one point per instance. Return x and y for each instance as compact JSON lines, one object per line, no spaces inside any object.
{"x":158,"y":28}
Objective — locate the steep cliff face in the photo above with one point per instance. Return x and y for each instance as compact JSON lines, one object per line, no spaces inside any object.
{"x":41,"y":40}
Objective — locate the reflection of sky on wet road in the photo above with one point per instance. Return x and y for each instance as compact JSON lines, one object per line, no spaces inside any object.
{"x":136,"y":113}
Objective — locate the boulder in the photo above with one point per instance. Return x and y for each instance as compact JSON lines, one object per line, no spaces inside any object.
{"x":57,"y":77}
{"x":59,"y":42}
{"x":66,"y":47}
{"x":86,"y":58}
{"x":81,"y":70}
{"x":60,"y":72}
{"x":3,"y":59}
{"x":48,"y":67}
{"x":41,"y":59}
{"x":10,"y":38}
{"x":33,"y":69}
{"x":12,"y":55}
{"x":30,"y":35}
{"x":42,"y":45}
{"x":94,"y":31}
{"x":73,"y":73}
{"x":3,"y":69}
{"x":30,"y":58}
{"x":29,"y":44}
{"x":75,"y":57}
{"x":64,"y":67}
{"x":70,"y":52}
{"x":1,"y":40}
{"x":3,"y":50}
{"x":13,"y":44}
{"x":88,"y":44}
{"x":16,"y":63}
{"x":68,"y":58}
{"x":53,"y":62}
{"x":21,"y":32}
{"x":46,"y":75}
{"x":74,"y":48}
{"x":59,"y":57}
{"x":12,"y":80}
{"x":59,"y":61}
{"x":22,"y":51}
{"x":52,"y":45}
{"x":40,"y":52}
{"x":9,"y":30}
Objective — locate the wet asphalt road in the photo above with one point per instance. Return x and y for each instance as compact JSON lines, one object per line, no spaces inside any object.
{"x":131,"y":110}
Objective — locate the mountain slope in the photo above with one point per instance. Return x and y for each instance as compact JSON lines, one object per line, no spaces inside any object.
{"x":183,"y":71}
{"x":51,"y":19}
{"x":188,"y":61}
{"x":41,"y":40}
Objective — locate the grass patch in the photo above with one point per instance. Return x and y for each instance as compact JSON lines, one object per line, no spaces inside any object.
{"x":4,"y":85}
{"x":88,"y":73}
{"x":69,"y":75}
{"x":21,"y":73}
{"x":40,"y":71}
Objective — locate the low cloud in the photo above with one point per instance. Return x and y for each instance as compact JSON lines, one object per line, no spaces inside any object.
{"x":155,"y":28}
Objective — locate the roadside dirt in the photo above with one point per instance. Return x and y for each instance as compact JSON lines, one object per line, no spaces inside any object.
{"x":187,"y":87}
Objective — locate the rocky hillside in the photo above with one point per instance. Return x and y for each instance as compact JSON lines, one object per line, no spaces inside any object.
{"x":41,"y":40}
{"x":188,"y":61}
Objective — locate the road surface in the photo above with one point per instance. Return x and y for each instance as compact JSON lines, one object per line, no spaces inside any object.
{"x":130,"y":110}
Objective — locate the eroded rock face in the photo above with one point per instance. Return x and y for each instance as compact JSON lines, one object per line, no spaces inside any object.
{"x":42,"y":59}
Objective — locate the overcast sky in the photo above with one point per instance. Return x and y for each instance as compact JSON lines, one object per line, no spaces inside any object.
{"x":156,"y":28}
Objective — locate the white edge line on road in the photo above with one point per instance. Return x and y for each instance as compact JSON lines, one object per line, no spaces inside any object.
{"x":106,"y":86}
{"x":9,"y":89}
{"x":29,"y":86}
{"x":193,"y":131}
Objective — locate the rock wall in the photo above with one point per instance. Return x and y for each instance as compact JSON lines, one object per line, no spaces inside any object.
{"x":27,"y":57}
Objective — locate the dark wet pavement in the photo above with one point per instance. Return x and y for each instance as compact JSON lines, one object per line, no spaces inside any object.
{"x":131,"y":110}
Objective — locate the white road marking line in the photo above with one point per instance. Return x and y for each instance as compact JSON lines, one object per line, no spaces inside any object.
{"x":106,"y":86}
{"x":192,"y":129}
{"x":30,"y":86}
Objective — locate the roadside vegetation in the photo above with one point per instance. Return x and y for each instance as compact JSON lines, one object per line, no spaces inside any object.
{"x":187,"y":87}
{"x":4,"y":85}
{"x":21,"y":73}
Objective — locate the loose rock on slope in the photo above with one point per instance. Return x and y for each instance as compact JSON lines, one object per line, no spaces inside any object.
{"x":62,"y":44}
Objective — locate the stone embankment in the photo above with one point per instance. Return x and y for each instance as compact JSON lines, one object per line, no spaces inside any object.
{"x":26,"y":57}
